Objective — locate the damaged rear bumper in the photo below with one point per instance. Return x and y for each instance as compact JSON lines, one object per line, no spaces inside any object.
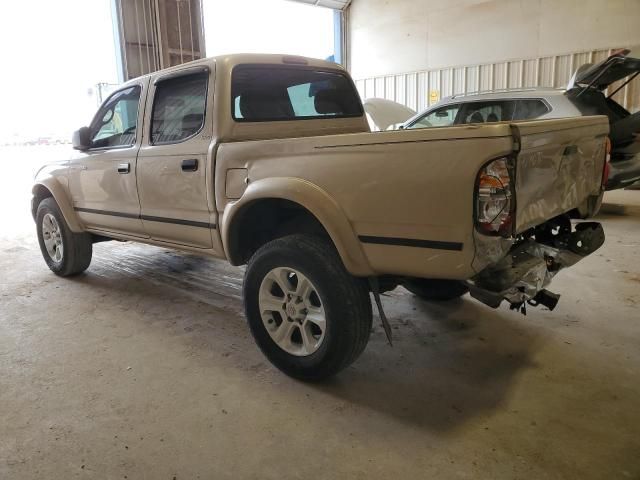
{"x":522,"y":275}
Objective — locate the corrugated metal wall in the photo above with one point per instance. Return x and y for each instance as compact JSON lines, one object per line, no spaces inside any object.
{"x":418,"y":90}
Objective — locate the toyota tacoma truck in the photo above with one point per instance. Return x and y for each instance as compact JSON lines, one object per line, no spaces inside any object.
{"x":268,"y":161}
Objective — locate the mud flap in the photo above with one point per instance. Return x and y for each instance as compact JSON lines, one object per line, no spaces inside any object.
{"x":375,"y":289}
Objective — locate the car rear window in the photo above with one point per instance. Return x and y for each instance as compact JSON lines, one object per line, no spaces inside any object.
{"x":487,"y":111}
{"x":263,"y":93}
{"x":530,"y":108}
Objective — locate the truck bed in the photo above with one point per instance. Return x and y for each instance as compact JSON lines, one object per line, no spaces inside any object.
{"x":409,"y":195}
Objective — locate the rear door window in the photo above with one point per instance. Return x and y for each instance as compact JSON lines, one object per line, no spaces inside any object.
{"x":441,"y":117}
{"x":178,"y":108}
{"x":487,"y":112}
{"x":262,"y":94}
{"x":527,"y":109}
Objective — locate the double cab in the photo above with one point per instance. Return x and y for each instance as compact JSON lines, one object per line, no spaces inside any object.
{"x":268,"y":161}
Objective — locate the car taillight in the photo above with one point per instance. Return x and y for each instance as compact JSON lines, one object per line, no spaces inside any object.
{"x":494,"y":198}
{"x":607,"y":167}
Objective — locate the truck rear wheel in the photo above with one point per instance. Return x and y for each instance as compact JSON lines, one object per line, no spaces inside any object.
{"x":66,"y":253}
{"x":435,"y":289}
{"x":308,"y":315}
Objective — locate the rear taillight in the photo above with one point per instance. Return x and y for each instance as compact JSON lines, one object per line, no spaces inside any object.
{"x":494,"y":198}
{"x":607,"y":167}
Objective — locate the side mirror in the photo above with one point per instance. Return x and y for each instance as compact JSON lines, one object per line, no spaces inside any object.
{"x":82,"y":138}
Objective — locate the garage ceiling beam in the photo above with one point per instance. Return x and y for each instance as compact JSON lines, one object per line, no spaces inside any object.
{"x":156,"y":34}
{"x":335,"y":4}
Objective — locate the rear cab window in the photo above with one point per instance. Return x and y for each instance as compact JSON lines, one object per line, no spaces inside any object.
{"x":261,"y":93}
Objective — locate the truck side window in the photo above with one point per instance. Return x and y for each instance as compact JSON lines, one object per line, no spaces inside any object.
{"x":260,"y":94}
{"x":115,"y":123}
{"x":487,"y":112}
{"x":530,"y":108}
{"x":179,"y":108}
{"x":442,"y":117}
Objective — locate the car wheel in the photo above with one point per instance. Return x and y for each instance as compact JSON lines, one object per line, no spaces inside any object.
{"x":308,"y":315}
{"x":435,"y":289}
{"x":65,"y":252}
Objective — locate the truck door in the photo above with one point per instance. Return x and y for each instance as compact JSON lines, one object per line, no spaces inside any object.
{"x":102,"y":179}
{"x":174,"y":175}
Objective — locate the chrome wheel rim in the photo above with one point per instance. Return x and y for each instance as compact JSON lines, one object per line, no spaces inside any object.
{"x":292,"y":311}
{"x":52,"y":236}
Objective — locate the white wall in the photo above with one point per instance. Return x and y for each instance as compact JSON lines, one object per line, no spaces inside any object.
{"x":396,"y":36}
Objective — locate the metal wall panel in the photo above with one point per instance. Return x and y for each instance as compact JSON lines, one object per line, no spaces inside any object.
{"x":418,"y":90}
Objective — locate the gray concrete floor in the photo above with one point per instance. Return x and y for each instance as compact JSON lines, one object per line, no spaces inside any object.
{"x":144,"y":368}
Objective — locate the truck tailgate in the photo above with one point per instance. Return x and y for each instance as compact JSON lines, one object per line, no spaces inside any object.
{"x":559,"y":166}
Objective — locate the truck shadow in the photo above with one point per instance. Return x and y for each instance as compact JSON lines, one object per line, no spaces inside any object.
{"x":452,"y":363}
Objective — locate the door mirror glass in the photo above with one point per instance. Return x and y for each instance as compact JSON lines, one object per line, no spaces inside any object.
{"x":82,"y":138}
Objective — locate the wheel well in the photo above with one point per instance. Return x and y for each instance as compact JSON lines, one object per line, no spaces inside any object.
{"x":40,"y":193}
{"x":265,"y":220}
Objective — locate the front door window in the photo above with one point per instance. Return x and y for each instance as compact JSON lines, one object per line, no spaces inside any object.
{"x":115,"y":123}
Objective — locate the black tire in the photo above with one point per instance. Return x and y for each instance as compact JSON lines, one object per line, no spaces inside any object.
{"x":435,"y":289}
{"x":345,"y":300}
{"x":77,"y":248}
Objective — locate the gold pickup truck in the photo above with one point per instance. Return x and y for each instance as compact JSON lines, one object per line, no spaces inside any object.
{"x":268,"y":160}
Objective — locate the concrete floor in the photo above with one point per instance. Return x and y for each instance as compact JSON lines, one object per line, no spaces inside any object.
{"x":144,"y":368}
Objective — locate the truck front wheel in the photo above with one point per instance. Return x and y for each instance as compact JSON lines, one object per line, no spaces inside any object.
{"x":435,"y":289}
{"x":66,"y":253}
{"x":308,"y":315}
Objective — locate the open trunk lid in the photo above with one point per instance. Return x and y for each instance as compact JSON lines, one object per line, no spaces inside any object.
{"x":559,"y":167}
{"x":618,"y":65}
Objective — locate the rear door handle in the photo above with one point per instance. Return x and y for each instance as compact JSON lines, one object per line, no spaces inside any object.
{"x":190,"y":165}
{"x":124,"y":167}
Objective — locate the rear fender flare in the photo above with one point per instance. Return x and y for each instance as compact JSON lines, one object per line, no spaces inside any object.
{"x":316,"y":201}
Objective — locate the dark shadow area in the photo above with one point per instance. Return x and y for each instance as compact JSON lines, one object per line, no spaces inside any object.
{"x":609,"y":210}
{"x":452,"y":363}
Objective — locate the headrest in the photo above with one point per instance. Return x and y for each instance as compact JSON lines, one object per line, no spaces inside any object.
{"x":476,"y":118}
{"x":262,"y":105}
{"x":192,"y":121}
{"x":492,"y":117}
{"x":328,"y":102}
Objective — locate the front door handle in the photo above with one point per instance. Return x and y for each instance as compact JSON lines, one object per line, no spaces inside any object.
{"x":124,"y":167}
{"x":190,"y":165}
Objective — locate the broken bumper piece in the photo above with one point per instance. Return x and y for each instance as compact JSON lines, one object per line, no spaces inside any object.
{"x":522,"y":275}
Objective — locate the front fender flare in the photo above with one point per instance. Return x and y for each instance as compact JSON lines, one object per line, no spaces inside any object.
{"x":59,"y":194}
{"x":316,"y":201}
